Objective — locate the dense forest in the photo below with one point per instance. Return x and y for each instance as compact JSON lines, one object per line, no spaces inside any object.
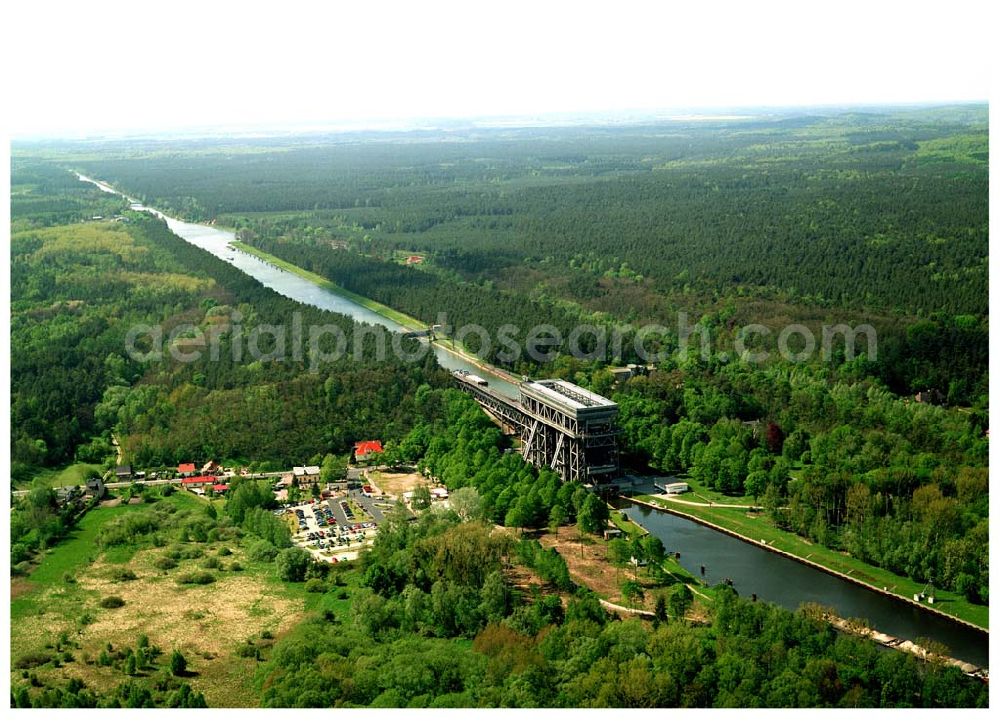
{"x":857,"y":218}
{"x":874,"y":210}
{"x":78,"y":288}
{"x":836,"y":459}
{"x":398,"y":647}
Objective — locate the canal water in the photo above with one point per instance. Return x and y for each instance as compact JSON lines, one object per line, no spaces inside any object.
{"x":216,"y":241}
{"x":788,"y":583}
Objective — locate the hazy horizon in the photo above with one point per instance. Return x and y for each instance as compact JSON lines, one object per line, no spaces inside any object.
{"x":611,"y":117}
{"x":82,"y":70}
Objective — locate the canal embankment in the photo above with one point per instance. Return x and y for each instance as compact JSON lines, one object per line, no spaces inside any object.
{"x":931,"y":651}
{"x":698,"y":516}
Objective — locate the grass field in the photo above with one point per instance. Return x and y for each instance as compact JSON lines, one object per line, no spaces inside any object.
{"x":701,"y":493}
{"x":70,"y":475}
{"x":629,"y":527}
{"x":759,"y":528}
{"x":208,"y":623}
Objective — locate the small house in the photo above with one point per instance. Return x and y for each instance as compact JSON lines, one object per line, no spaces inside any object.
{"x":306,"y":475}
{"x":678,"y":487}
{"x":123,"y":473}
{"x":185,"y":470}
{"x":366,"y":450}
{"x":95,"y":486}
{"x":198,"y":482}
{"x":210,"y":467}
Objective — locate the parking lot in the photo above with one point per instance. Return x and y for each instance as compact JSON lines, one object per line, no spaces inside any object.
{"x":331,"y":530}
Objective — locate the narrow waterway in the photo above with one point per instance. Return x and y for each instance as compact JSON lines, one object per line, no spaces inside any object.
{"x":217,"y":242}
{"x":788,"y":583}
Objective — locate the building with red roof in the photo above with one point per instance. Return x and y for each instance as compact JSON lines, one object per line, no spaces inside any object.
{"x":185,"y":469}
{"x":364,"y":450}
{"x":199,"y":481}
{"x":220,"y":488}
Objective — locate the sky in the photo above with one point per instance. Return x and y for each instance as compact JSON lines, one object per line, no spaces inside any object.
{"x":108,"y":66}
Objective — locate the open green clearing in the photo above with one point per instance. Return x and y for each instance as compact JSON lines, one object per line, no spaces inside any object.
{"x":69,"y":475}
{"x":209,"y":623}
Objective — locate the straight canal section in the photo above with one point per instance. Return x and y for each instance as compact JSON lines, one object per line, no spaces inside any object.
{"x":790,"y":583}
{"x":218,"y":242}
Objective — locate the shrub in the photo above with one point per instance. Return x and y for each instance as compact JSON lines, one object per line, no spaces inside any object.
{"x":165,"y":563}
{"x":19,"y":553}
{"x":236,"y":567}
{"x":211,"y":563}
{"x":225,"y":552}
{"x":68,"y":578}
{"x":122,"y":574}
{"x":32,"y":659}
{"x":316,"y":585}
{"x":178,"y":665}
{"x":195,"y":578}
{"x":261,"y":550}
{"x":112,"y":602}
{"x":192,"y":552}
{"x":248,"y":650}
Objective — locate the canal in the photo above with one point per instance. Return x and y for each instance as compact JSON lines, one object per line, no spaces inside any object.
{"x":789,"y":584}
{"x":217,"y":242}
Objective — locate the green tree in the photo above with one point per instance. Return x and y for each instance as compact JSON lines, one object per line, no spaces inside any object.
{"x":178,"y":664}
{"x":593,"y":514}
{"x":466,"y":503}
{"x":632,"y":592}
{"x":660,"y":608}
{"x":421,"y":497}
{"x":334,"y":468}
{"x":756,"y":484}
{"x":680,"y":601}
{"x":292,"y":564}
{"x":557,"y":517}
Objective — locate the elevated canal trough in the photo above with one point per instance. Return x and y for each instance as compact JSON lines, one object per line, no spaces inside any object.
{"x":561,"y":425}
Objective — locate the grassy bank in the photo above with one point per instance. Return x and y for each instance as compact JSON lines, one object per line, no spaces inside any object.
{"x":409,"y":322}
{"x":69,"y":475}
{"x":758,"y":528}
